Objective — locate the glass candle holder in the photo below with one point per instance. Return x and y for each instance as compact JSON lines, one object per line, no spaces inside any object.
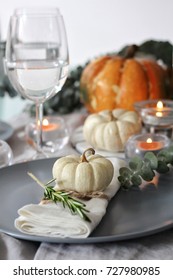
{"x":6,"y":154}
{"x":139,"y":144}
{"x":55,"y":134}
{"x":156,"y":115}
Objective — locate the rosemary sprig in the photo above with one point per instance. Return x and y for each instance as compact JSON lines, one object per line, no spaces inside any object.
{"x":75,"y":206}
{"x":145,"y":169}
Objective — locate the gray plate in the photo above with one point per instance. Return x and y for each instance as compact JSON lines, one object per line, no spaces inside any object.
{"x":6,"y":130}
{"x":129,"y":214}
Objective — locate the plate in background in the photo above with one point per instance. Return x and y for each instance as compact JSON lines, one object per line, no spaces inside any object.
{"x":6,"y":131}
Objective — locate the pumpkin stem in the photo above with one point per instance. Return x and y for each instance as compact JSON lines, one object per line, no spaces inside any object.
{"x":83,"y":157}
{"x":131,"y":50}
{"x":111,"y":117}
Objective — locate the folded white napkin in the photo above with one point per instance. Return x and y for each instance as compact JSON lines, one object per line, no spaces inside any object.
{"x":54,"y":220}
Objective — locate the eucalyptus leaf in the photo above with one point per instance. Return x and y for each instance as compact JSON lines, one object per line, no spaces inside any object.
{"x":125,"y":172}
{"x":166,"y":155}
{"x":136,"y":163}
{"x":147,"y":175}
{"x":170,"y":150}
{"x":153,"y":159}
{"x":124,"y":181}
{"x":136,"y":180}
{"x":145,"y":168}
{"x":162,"y":167}
{"x":146,"y":172}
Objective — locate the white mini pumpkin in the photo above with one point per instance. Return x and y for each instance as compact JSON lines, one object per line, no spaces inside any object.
{"x":109,"y":130}
{"x":83,"y":174}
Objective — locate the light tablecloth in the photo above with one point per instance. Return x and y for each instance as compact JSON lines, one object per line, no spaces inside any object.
{"x":158,"y":246}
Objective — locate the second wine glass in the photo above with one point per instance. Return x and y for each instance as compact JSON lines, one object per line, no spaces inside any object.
{"x":37,"y":58}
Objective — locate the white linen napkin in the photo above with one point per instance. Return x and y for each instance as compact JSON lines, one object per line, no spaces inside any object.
{"x":54,"y":220}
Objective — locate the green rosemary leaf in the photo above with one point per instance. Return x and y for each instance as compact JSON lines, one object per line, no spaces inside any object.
{"x":83,"y":215}
{"x":74,"y":205}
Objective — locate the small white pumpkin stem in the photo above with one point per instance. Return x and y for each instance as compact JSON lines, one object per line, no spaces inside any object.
{"x":111,"y":117}
{"x":83,"y":156}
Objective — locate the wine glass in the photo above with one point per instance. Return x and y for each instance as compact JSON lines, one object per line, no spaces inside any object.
{"x":37,"y":58}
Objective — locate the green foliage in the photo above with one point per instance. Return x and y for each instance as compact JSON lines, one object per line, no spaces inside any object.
{"x":68,"y":99}
{"x":144,"y":169}
{"x":161,"y":50}
{"x":75,"y":206}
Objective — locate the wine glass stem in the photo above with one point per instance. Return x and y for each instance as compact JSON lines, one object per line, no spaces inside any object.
{"x":39,"y":121}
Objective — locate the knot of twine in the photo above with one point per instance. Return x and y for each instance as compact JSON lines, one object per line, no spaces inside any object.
{"x":95,"y":194}
{"x":84,"y":196}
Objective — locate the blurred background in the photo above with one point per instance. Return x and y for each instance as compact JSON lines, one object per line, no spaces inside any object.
{"x":96,"y":27}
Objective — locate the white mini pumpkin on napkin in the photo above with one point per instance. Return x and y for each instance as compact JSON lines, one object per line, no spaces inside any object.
{"x":53,"y":220}
{"x":83,"y":174}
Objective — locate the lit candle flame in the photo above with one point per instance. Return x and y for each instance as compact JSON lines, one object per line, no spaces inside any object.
{"x":149,"y":140}
{"x":47,"y":125}
{"x":159,"y":108}
{"x":159,"y":105}
{"x":45,"y":122}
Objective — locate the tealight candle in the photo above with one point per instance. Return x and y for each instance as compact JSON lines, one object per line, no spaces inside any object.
{"x":48,"y":126}
{"x":157,"y":115}
{"x":138,"y":145}
{"x":150,"y":145}
{"x":54,"y":131}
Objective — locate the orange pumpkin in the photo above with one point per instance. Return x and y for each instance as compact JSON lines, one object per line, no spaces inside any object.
{"x":111,"y":82}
